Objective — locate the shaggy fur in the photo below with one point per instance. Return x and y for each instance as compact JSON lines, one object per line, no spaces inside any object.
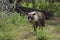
{"x":37,"y":19}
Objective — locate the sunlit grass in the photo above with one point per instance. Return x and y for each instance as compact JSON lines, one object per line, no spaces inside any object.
{"x":11,"y":26}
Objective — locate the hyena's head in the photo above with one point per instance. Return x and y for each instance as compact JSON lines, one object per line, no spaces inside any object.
{"x":32,"y":16}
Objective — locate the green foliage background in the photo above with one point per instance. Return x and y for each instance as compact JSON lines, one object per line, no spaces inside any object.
{"x":11,"y":25}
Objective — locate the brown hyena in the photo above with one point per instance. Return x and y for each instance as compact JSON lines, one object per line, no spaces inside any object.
{"x":37,"y":19}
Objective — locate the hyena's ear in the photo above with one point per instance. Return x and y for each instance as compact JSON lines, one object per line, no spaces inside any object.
{"x":34,"y":14}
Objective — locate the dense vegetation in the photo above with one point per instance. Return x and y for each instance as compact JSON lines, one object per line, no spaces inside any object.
{"x":16,"y":27}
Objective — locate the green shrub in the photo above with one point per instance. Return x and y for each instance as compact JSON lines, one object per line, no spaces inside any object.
{"x":43,"y":34}
{"x":44,"y":5}
{"x":57,"y":29}
{"x":11,"y":25}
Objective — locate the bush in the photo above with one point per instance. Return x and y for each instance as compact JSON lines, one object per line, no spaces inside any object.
{"x":43,"y":34}
{"x":57,"y":29}
{"x":11,"y":25}
{"x":44,"y":5}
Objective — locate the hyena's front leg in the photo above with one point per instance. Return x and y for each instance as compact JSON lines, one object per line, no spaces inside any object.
{"x":35,"y":26}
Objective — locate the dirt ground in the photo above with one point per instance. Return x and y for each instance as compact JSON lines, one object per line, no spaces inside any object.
{"x":29,"y":34}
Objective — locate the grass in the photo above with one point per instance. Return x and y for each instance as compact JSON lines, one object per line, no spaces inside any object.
{"x":29,"y":5}
{"x":57,"y":29}
{"x":10,"y":26}
{"x":16,"y":27}
{"x":43,"y":34}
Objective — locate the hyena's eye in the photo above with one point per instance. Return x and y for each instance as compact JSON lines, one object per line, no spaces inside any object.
{"x":34,"y":14}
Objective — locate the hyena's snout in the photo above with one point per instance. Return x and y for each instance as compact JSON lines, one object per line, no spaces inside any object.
{"x":30,"y":19}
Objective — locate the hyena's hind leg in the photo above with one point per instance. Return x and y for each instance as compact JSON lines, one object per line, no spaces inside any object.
{"x":43,"y":23}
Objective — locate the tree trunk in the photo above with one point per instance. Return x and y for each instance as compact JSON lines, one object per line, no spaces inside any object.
{"x":7,"y":5}
{"x":33,"y":2}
